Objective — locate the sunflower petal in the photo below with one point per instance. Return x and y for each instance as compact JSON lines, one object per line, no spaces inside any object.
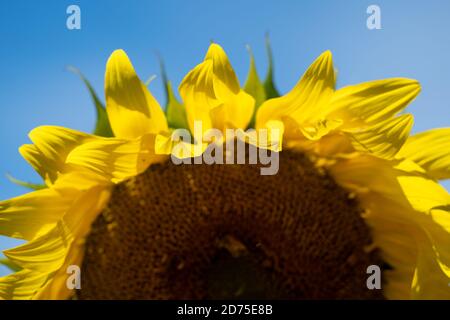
{"x":114,"y":159}
{"x":306,"y":104}
{"x":66,"y":151}
{"x":45,"y":253}
{"x":48,"y":252}
{"x":385,"y":138}
{"x":32,"y":214}
{"x":222,"y":68}
{"x":9,"y":264}
{"x":371,"y":102}
{"x":21,"y":285}
{"x":238,"y":111}
{"x":270,"y":138}
{"x":432,"y":274}
{"x":212,"y":95}
{"x":37,"y":160}
{"x":400,"y":193}
{"x":171,"y":144}
{"x":198,"y":95}
{"x":56,"y":288}
{"x":431,"y":150}
{"x":131,"y":108}
{"x":51,"y":146}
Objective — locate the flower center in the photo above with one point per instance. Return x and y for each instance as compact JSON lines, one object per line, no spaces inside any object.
{"x":226,"y":232}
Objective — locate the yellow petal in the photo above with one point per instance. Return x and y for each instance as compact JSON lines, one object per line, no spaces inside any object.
{"x":432,"y":276}
{"x":406,"y":208}
{"x":270,"y":137}
{"x":45,"y":253}
{"x":37,"y":160}
{"x":58,"y":151}
{"x":51,"y":146}
{"x":431,"y":150}
{"x":21,"y":285}
{"x":371,"y":102}
{"x":222,"y":68}
{"x":198,"y":95}
{"x":236,"y":112}
{"x":114,"y":159}
{"x":172,"y":145}
{"x":385,"y":138}
{"x":79,"y":219}
{"x":131,"y":108}
{"x":45,"y":258}
{"x":306,"y":104}
{"x":212,"y":95}
{"x":398,"y":286}
{"x":32,"y":214}
{"x":56,"y":288}
{"x":48,"y":252}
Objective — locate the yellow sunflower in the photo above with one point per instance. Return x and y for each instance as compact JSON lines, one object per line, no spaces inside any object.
{"x":353,"y":190}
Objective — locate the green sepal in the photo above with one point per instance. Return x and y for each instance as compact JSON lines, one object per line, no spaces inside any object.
{"x":175,"y":110}
{"x":254,"y":86}
{"x":28,"y":185}
{"x":102,"y":126}
{"x":269,"y":86}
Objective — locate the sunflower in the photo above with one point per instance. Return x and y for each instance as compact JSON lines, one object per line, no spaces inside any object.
{"x":353,"y":190}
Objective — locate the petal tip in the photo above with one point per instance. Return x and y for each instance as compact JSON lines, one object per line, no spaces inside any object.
{"x":214,"y":51}
{"x":328,"y":55}
{"x":118,"y":55}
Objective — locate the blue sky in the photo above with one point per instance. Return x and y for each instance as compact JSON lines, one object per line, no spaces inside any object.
{"x":36,"y":47}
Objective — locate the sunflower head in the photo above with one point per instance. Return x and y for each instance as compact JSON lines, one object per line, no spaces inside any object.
{"x":146,"y":211}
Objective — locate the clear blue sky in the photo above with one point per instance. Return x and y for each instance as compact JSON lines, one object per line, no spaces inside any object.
{"x":36,"y":47}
